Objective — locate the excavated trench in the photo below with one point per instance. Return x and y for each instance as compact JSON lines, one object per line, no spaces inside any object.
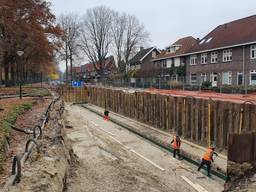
{"x":48,"y":170}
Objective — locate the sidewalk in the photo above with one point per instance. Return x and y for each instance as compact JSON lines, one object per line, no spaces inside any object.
{"x":188,"y":149}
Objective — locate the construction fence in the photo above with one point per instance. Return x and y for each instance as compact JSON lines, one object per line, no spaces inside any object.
{"x":73,"y":94}
{"x":200,"y":120}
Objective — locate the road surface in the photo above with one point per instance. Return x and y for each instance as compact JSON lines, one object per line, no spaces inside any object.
{"x":114,"y":159}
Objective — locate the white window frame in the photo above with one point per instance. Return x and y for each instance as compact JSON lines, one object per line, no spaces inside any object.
{"x":214,"y":57}
{"x":204,"y":58}
{"x":253,"y":51}
{"x":193,"y":82}
{"x":252,"y":72}
{"x":229,"y":78}
{"x":193,"y":59}
{"x":203,"y":77}
{"x":227,"y":55}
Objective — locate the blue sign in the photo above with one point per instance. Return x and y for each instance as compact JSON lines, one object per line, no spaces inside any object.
{"x":77,"y":83}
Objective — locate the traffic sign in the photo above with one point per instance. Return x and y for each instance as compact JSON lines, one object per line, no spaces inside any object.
{"x":77,"y":83}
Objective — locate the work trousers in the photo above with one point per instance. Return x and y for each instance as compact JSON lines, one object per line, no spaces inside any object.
{"x":176,"y":151}
{"x":208,"y":164}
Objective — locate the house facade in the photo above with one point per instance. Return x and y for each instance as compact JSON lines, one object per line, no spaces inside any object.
{"x":142,"y":62}
{"x":89,"y":71}
{"x":226,"y":56}
{"x":170,"y":62}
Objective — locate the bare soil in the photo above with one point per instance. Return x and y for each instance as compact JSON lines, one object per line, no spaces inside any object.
{"x":28,"y":120}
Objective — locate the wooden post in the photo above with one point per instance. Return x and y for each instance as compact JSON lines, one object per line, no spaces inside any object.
{"x":209,"y":124}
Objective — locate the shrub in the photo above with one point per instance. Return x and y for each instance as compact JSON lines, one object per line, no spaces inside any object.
{"x":175,"y":84}
{"x":206,"y":85}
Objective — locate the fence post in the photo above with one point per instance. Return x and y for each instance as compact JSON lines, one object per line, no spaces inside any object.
{"x":209,"y":124}
{"x":241,"y":120}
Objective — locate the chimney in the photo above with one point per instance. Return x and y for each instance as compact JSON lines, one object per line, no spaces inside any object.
{"x":198,"y":39}
{"x":141,"y":48}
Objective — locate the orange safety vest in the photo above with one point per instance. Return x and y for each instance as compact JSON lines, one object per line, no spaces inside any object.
{"x":208,"y":155}
{"x":175,"y":144}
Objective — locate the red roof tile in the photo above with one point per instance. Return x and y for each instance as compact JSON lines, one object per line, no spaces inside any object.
{"x":186,"y":44}
{"x":109,"y":65}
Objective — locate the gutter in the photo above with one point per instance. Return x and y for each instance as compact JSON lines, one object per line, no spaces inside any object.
{"x":207,"y":50}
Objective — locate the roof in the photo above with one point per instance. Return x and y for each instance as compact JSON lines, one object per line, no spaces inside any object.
{"x":75,"y":69}
{"x":141,"y":55}
{"x":186,"y":44}
{"x":109,"y":64}
{"x":233,"y":33}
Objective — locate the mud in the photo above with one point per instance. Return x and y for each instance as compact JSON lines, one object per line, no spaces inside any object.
{"x":242,"y":177}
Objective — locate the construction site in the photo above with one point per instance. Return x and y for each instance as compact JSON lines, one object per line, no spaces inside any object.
{"x":127,"y":96}
{"x":71,"y":146}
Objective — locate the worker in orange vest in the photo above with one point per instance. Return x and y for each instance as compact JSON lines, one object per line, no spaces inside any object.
{"x":208,"y":159}
{"x":176,"y":142}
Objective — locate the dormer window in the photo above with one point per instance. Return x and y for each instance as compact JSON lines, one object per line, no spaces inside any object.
{"x":172,"y":49}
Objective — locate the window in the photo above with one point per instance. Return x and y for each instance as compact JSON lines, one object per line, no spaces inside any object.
{"x":214,"y":57}
{"x":227,"y":55}
{"x":176,"y":62}
{"x":208,"y":40}
{"x":193,"y":60}
{"x":240,"y":78}
{"x":202,"y":41}
{"x":227,"y":78}
{"x":203,"y":77}
{"x":164,"y":63}
{"x":204,"y":58}
{"x":253,"y":77}
{"x":253,"y":52}
{"x":193,"y":79}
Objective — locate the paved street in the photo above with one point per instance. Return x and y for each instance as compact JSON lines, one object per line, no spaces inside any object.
{"x":113,"y":159}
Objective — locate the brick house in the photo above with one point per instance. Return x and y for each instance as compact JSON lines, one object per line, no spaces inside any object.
{"x":226,"y":56}
{"x":171,"y":60}
{"x":89,"y":71}
{"x":142,"y":61}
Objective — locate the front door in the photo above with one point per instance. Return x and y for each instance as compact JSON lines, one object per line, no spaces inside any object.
{"x":214,"y":79}
{"x":239,"y":78}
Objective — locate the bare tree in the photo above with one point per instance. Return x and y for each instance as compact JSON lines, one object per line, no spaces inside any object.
{"x":128,"y":35}
{"x":70,"y":26}
{"x":96,"y":36}
{"x":135,"y":36}
{"x":118,"y":31}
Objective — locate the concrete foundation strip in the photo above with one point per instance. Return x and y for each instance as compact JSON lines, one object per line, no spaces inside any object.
{"x":127,"y":148}
{"x":197,"y":187}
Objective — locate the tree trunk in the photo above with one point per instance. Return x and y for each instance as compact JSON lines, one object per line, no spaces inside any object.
{"x":71,"y":64}
{"x":66,"y":59}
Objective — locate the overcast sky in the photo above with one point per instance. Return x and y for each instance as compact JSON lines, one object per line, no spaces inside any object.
{"x":168,"y":20}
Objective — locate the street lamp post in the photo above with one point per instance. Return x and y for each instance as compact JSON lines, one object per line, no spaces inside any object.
{"x":20,"y":53}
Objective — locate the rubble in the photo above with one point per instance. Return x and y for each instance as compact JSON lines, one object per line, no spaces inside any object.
{"x":242,"y":177}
